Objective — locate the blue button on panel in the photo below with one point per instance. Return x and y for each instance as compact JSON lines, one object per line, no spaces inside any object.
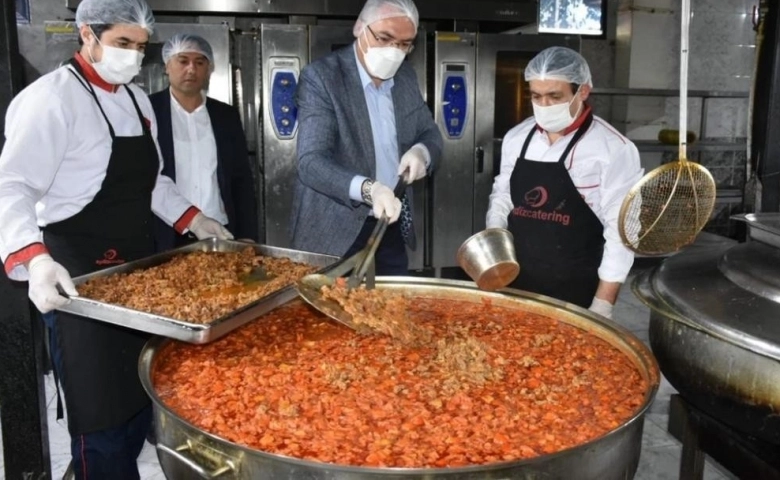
{"x":283,"y":109}
{"x":454,"y":104}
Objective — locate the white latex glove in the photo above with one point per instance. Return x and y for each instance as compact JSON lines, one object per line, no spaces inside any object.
{"x":45,"y":275}
{"x":384,"y":202}
{"x":601,"y":307}
{"x":414,"y":161}
{"x":204,"y":227}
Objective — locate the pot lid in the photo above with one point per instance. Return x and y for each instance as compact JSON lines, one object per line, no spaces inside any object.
{"x":731,"y":291}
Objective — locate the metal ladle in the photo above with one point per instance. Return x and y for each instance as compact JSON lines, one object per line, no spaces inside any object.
{"x":361,"y":264}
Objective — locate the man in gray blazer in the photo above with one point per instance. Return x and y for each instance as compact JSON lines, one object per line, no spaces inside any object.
{"x":362,"y":123}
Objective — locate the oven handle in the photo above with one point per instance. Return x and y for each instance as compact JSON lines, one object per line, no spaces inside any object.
{"x":228,"y":466}
{"x":479,"y":159}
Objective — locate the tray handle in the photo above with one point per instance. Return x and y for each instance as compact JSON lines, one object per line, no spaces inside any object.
{"x":223,"y":467}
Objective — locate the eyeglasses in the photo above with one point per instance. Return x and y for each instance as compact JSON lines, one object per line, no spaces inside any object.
{"x":384,"y":41}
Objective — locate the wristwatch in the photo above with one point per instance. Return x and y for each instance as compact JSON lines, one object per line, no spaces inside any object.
{"x":365,"y":191}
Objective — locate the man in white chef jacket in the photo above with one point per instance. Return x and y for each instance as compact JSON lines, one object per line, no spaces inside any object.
{"x":79,"y":185}
{"x":564,"y":174}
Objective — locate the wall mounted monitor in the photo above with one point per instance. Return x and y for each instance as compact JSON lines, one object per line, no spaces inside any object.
{"x":572,"y":17}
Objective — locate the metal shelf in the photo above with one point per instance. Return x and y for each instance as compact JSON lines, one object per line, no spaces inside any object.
{"x":656,"y":92}
{"x":702,"y":146}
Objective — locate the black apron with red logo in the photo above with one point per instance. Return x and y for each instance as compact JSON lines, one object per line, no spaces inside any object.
{"x":99,"y":373}
{"x":559,"y":241}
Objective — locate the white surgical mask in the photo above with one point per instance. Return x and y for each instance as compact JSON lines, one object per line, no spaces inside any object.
{"x":118,"y":65}
{"x":383,"y":62}
{"x":555,"y":118}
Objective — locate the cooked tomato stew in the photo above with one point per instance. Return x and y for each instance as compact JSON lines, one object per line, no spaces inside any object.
{"x":494,"y":384}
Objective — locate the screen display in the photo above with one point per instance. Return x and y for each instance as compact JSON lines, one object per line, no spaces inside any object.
{"x":575,"y":17}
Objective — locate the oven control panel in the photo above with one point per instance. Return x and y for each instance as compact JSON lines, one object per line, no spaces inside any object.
{"x":283,"y":82}
{"x":454,"y":100}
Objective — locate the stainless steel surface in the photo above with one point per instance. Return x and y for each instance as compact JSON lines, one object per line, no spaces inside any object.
{"x":754,"y":266}
{"x":488,"y":257}
{"x":182,"y":330}
{"x":62,"y":41}
{"x":192,"y":6}
{"x":613,"y":456}
{"x":453,"y":181}
{"x":421,"y":206}
{"x":693,"y":287}
{"x":764,"y":227}
{"x":716,"y":338}
{"x":325,"y":39}
{"x":432,"y":9}
{"x":283,"y":48}
{"x":657,"y":92}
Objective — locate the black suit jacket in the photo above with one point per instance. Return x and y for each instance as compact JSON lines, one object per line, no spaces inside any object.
{"x":236,"y":184}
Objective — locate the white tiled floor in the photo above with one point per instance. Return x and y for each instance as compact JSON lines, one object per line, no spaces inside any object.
{"x":659,"y":460}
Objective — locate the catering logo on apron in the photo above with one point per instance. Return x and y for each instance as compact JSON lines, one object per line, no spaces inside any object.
{"x":535,"y":199}
{"x":110,"y":258}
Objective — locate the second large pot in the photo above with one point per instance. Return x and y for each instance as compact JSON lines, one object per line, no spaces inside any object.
{"x":185,"y":450}
{"x":714,"y":331}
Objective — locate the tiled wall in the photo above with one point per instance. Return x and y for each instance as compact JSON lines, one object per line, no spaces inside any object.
{"x":721,"y":58}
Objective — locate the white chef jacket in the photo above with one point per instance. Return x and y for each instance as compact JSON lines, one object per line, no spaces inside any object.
{"x":56,"y":154}
{"x":195,"y":157}
{"x":604,"y":165}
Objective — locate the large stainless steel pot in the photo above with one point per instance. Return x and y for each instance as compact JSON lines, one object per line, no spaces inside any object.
{"x":185,"y":450}
{"x":715,"y":330}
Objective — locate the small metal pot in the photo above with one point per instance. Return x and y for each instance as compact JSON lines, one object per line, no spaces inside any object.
{"x":488,"y":257}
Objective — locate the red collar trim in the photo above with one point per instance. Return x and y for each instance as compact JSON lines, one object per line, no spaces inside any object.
{"x":574,"y":126}
{"x":92,"y":76}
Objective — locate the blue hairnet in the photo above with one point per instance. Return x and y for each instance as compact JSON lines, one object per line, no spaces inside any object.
{"x":559,"y":63}
{"x":376,"y":10}
{"x":185,"y":42}
{"x":110,"y":12}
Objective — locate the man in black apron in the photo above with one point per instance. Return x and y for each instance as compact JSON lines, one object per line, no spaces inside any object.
{"x":549,"y":199}
{"x":95,"y":362}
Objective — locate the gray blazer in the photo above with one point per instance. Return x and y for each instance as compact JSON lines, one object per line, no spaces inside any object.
{"x":335,"y":143}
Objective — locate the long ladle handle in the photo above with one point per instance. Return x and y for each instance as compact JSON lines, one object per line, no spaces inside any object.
{"x":373,"y":241}
{"x":685,"y":13}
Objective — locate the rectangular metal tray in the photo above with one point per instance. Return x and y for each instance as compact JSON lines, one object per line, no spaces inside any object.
{"x":187,"y":331}
{"x":763,"y":227}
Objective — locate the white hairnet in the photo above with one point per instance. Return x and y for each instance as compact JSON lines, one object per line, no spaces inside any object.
{"x":559,"y":63}
{"x":376,"y":10}
{"x":187,"y":43}
{"x":110,"y":12}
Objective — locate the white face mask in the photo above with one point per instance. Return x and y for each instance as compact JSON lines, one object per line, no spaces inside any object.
{"x":555,"y":118}
{"x":118,"y":65}
{"x":383,"y":62}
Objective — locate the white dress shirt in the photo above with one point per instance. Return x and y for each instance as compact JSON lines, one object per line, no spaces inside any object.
{"x":56,"y":154}
{"x":604,"y":165}
{"x":195,"y":155}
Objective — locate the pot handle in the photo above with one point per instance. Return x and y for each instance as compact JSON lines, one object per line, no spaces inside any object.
{"x":228,"y":466}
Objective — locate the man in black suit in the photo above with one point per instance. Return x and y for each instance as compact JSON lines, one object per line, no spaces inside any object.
{"x":202,"y":143}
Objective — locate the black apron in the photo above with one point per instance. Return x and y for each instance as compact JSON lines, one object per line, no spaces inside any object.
{"x":559,"y":241}
{"x":99,"y":361}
